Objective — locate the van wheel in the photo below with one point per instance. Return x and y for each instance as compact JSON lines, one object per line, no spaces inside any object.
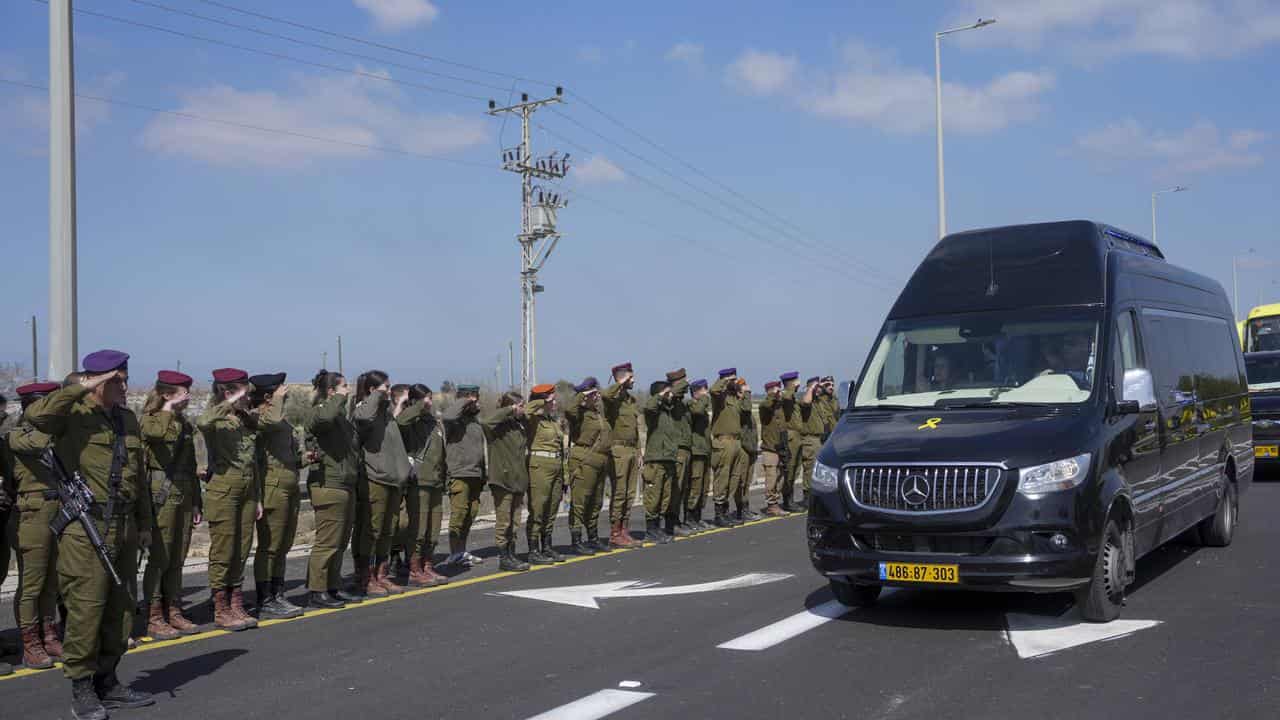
{"x":855,"y":595}
{"x":1218,"y":529}
{"x":1102,"y":600}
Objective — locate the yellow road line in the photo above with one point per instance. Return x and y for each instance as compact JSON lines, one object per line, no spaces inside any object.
{"x":148,"y":644}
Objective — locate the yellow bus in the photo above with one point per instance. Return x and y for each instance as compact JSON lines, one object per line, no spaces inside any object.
{"x":1261,"y":330}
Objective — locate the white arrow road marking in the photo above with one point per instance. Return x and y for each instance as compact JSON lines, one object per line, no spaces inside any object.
{"x":1036,"y":635}
{"x":783,"y":630}
{"x":594,"y":706}
{"x":587,"y":595}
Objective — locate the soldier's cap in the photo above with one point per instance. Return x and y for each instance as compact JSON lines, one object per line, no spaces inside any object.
{"x":675,"y":375}
{"x":772,"y":384}
{"x":267,"y":381}
{"x":230,"y":375}
{"x":789,"y":375}
{"x":828,"y":378}
{"x":542,"y":391}
{"x":812,"y":380}
{"x":658,"y":386}
{"x":104,"y":361}
{"x":37,"y":389}
{"x":699,"y":383}
{"x":726,"y":372}
{"x":173,"y":377}
{"x":586,"y":385}
{"x":624,"y":367}
{"x":468,"y":389}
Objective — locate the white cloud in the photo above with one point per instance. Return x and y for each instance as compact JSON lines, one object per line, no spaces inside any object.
{"x":30,"y":112}
{"x":598,"y":170}
{"x":347,"y":109}
{"x":687,"y":53}
{"x":399,"y":14}
{"x":1200,"y":148}
{"x":762,"y":73}
{"x":871,"y":88}
{"x":1097,"y":29}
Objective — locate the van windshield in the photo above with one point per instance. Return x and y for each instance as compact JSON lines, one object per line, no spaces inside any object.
{"x":1023,"y":357}
{"x":1264,"y":371}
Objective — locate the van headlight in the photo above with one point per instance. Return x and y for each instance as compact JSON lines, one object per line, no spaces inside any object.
{"x":825,"y":478}
{"x":1054,"y":476}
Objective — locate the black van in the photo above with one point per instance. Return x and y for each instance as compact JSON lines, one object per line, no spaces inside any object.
{"x":1045,"y":405}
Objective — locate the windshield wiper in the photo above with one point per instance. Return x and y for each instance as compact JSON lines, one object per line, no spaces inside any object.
{"x":859,"y":408}
{"x":993,"y":404}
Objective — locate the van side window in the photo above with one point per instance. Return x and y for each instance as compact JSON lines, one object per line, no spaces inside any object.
{"x":1193,"y":356}
{"x":1126,"y":344}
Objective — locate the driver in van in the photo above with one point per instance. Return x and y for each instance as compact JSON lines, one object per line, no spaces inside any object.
{"x":941,"y":378}
{"x":1068,"y":354}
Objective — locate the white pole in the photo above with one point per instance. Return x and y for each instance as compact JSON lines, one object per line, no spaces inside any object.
{"x":62,"y":193}
{"x":942,"y":191}
{"x":1235,"y":291}
{"x":1153,"y":218}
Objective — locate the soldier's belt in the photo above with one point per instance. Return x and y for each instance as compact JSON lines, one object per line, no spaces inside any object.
{"x":121,"y":509}
{"x":626,"y":443}
{"x":727,"y":436}
{"x":545,"y":454}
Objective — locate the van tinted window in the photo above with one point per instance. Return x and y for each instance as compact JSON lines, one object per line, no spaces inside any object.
{"x":1190,"y":356}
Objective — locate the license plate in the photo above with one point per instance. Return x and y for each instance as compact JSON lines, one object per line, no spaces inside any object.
{"x":919,"y":572}
{"x":1266,"y":451}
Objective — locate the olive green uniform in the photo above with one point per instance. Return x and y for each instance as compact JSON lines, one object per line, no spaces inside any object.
{"x":684,"y":432}
{"x":748,"y":450}
{"x":772,"y":426}
{"x":791,"y":431}
{"x":232,"y":492}
{"x":175,"y":495}
{"x":809,"y":427}
{"x":423,"y":510}
{"x":36,"y":505}
{"x":331,"y":485}
{"x":624,"y":432}
{"x":588,"y":462}
{"x":662,"y":441}
{"x":465,"y":464}
{"x":280,"y":462}
{"x":386,"y":465}
{"x":700,"y":454}
{"x":508,"y":471}
{"x":546,"y":470}
{"x":99,"y":613}
{"x":726,"y":439}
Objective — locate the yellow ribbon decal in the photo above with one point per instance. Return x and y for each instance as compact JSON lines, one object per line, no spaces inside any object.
{"x":930,"y":424}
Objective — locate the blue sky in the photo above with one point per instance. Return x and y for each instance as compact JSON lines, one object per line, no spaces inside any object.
{"x":218,"y":245}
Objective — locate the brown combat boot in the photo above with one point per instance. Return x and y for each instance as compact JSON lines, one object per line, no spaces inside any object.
{"x":429,"y":572}
{"x":417,"y":578}
{"x":157,"y":627}
{"x":52,"y":644}
{"x":774,"y":511}
{"x":383,"y":569}
{"x":618,"y":538}
{"x":237,"y":608}
{"x":368,"y":579}
{"x":223,"y":618}
{"x":179,"y":622}
{"x":34,"y":655}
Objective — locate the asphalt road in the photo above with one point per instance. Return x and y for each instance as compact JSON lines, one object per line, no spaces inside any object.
{"x":1207,"y":648}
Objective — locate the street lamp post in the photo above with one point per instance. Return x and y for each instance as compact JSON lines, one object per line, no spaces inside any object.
{"x":1235,"y":283}
{"x":937,"y":75}
{"x":1174,"y":189}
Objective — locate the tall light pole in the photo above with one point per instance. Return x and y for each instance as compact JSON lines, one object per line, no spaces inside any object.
{"x":937,"y":75}
{"x":1174,"y":189}
{"x":1235,"y":283}
{"x":63,"y":352}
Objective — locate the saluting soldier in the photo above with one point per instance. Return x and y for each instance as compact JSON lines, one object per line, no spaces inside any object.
{"x":331,"y":483}
{"x":96,"y":434}
{"x":588,"y":461}
{"x":423,"y":438}
{"x":280,"y":463}
{"x":679,"y":381}
{"x":465,"y":460}
{"x":37,"y":505}
{"x":662,"y":440}
{"x":508,"y":474}
{"x":750,"y":449}
{"x":726,"y":442}
{"x":231,"y":499}
{"x":8,"y":533}
{"x":772,"y":433}
{"x":175,"y":497}
{"x":546,"y":472}
{"x":830,"y":405}
{"x":695,"y":494}
{"x":624,"y":432}
{"x":809,"y":421}
{"x":791,"y":437}
{"x":386,"y":465}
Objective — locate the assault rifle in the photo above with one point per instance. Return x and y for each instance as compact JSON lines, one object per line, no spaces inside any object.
{"x":77,"y":504}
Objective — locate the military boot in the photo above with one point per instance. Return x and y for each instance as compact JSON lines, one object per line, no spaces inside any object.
{"x":223,"y":618}
{"x":324,"y":600}
{"x":366,"y":579}
{"x":507,"y":560}
{"x":286,"y":607}
{"x":237,"y":607}
{"x":157,"y":627}
{"x":85,"y":704}
{"x":677,"y":529}
{"x":579,"y":547}
{"x":178,"y":621}
{"x":263,"y":600}
{"x":429,"y":572}
{"x":536,"y":555}
{"x":773,"y":511}
{"x":383,"y":569}
{"x":549,"y":549}
{"x":416,"y":577}
{"x":788,"y":504}
{"x":748,"y":514}
{"x":653,"y":533}
{"x":593,"y":540}
{"x":114,"y":695}
{"x":722,"y":517}
{"x":34,"y":656}
{"x":52,"y":644}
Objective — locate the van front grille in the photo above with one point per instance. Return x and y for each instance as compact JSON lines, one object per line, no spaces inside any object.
{"x":911,"y":489}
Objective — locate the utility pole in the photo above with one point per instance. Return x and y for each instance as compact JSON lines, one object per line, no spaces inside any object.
{"x":179,"y":368}
{"x":340,"y":356}
{"x":324,"y":359}
{"x":35,"y":357}
{"x":62,"y":193}
{"x":538,"y":235}
{"x":511,"y":365}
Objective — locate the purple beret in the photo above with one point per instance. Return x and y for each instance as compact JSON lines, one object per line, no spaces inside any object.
{"x":105,"y":361}
{"x":812,"y":380}
{"x":588,"y":384}
{"x":791,"y":375}
{"x":699,"y":383}
{"x":728,"y":371}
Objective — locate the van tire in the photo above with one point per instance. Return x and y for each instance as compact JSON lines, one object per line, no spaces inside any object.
{"x":1102,"y":599}
{"x":857,"y":596}
{"x":1219,"y":529}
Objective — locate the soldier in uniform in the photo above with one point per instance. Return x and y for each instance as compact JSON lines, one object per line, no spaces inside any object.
{"x":231,"y":500}
{"x":386,"y":465}
{"x":726,"y":442}
{"x":331,"y":485}
{"x":662,"y":440}
{"x":791,"y":439}
{"x":546,"y":472}
{"x":280,"y":463}
{"x":175,"y":497}
{"x":424,"y":441}
{"x":624,"y":432}
{"x":695,"y":494}
{"x":95,"y":434}
{"x":684,"y":430}
{"x":7,"y":497}
{"x":465,"y":458}
{"x":772,"y":432}
{"x":830,"y":405}
{"x":809,"y":421}
{"x":750,"y":449}
{"x":588,"y":460}
{"x":504,"y":429}
{"x":37,"y":504}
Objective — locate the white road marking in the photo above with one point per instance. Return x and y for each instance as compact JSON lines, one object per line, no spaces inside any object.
{"x":1035,"y":636}
{"x":594,"y":706}
{"x":630,"y":684}
{"x":783,"y":630}
{"x":586,"y":595}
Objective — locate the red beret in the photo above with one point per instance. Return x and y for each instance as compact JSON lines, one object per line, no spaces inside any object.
{"x":624,"y":367}
{"x":772,"y":384}
{"x":38,"y":388}
{"x":541,"y":391}
{"x":230,"y":375}
{"x":173,"y":377}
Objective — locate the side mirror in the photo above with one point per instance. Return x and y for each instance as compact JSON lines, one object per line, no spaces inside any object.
{"x":1137,"y":393}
